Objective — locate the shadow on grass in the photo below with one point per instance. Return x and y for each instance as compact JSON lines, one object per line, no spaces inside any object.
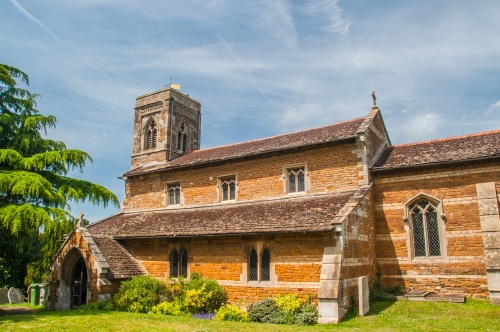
{"x":22,"y":313}
{"x":376,"y":307}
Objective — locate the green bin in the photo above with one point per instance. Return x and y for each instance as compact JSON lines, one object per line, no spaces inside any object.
{"x":34,"y":294}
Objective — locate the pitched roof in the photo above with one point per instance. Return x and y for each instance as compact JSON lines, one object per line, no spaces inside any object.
{"x":453,"y":149}
{"x":332,"y":133}
{"x":121,"y":263}
{"x":287,"y":215}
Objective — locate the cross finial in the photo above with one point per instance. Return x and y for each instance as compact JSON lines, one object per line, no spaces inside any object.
{"x":374,"y":98}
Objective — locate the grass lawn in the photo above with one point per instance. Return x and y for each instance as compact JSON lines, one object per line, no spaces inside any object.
{"x":474,"y":315}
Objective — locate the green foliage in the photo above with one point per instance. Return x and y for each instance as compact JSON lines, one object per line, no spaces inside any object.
{"x":288,"y":302}
{"x":307,"y":314}
{"x":139,"y":294}
{"x":284,"y":309}
{"x":263,"y":311}
{"x":105,"y":305}
{"x":35,"y":191}
{"x":174,"y":308}
{"x":231,"y":312}
{"x":212,"y":297}
{"x":197,"y":295}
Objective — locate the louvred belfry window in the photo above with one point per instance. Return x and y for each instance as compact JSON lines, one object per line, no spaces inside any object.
{"x":182,"y":138}
{"x":151,"y":135}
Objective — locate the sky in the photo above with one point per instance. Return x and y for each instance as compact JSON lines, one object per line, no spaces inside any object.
{"x":259,"y":68}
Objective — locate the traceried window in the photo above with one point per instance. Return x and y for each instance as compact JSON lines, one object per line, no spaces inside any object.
{"x":174,"y":193}
{"x":296,"y":178}
{"x":259,"y":269}
{"x":178,"y":263}
{"x":151,"y":134}
{"x":182,"y":138}
{"x":425,"y":223}
{"x":227,"y":186}
{"x":426,"y":229}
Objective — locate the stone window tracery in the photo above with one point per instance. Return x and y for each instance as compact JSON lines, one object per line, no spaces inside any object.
{"x":174,"y":193}
{"x":178,"y":263}
{"x":227,"y":187}
{"x":295,"y":179}
{"x":259,"y":269}
{"x":425,"y":226}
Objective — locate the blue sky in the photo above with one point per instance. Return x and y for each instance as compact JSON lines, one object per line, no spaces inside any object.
{"x":259,"y":68}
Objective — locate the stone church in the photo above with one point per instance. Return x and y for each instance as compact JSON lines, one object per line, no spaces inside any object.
{"x":308,"y":212}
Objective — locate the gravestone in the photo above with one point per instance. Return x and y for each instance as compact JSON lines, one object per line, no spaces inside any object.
{"x":364,"y":295}
{"x":15,"y":296}
{"x":3,"y":296}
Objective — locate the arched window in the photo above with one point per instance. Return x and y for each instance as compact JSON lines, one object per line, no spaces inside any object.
{"x":182,"y":138}
{"x":259,"y":268}
{"x":150,"y":135}
{"x":426,"y":228}
{"x":265,"y":265}
{"x":254,"y":266}
{"x":183,"y":264}
{"x":178,"y":264}
{"x":174,"y":264}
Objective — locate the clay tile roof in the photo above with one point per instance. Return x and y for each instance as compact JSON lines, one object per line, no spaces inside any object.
{"x":122,"y":265}
{"x":297,"y":214}
{"x":454,"y":149}
{"x":331,"y":133}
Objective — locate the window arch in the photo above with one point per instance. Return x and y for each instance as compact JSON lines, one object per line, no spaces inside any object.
{"x":182,"y":138}
{"x":178,"y":263}
{"x":151,"y":134}
{"x":425,"y":225}
{"x":259,"y":267}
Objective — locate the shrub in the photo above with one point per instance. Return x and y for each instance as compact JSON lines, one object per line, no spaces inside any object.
{"x":139,"y":294}
{"x":288,"y":303}
{"x":307,"y":314}
{"x":212,"y":298}
{"x":173,"y":308}
{"x":263,"y":310}
{"x":195,"y":300}
{"x":230,"y":312}
{"x":284,"y":309}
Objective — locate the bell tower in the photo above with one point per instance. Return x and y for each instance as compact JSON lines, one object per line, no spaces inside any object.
{"x":167,"y":124}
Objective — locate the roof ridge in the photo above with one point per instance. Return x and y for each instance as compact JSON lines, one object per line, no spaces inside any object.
{"x":483,"y":133}
{"x":279,"y":135}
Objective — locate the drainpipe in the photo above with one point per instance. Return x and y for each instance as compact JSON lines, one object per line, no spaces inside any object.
{"x":171,"y":123}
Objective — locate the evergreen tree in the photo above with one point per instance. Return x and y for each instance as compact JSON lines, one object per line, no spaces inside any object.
{"x":35,"y":190}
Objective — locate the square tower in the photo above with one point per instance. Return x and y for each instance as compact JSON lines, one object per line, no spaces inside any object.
{"x":167,"y":124}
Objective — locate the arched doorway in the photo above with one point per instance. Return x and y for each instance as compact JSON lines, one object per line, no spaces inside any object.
{"x":79,"y":284}
{"x":73,"y":290}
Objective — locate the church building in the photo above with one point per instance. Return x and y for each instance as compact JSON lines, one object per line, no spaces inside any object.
{"x":308,"y":213}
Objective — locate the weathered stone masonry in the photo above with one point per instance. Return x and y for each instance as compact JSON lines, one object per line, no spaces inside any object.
{"x":351,"y":217}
